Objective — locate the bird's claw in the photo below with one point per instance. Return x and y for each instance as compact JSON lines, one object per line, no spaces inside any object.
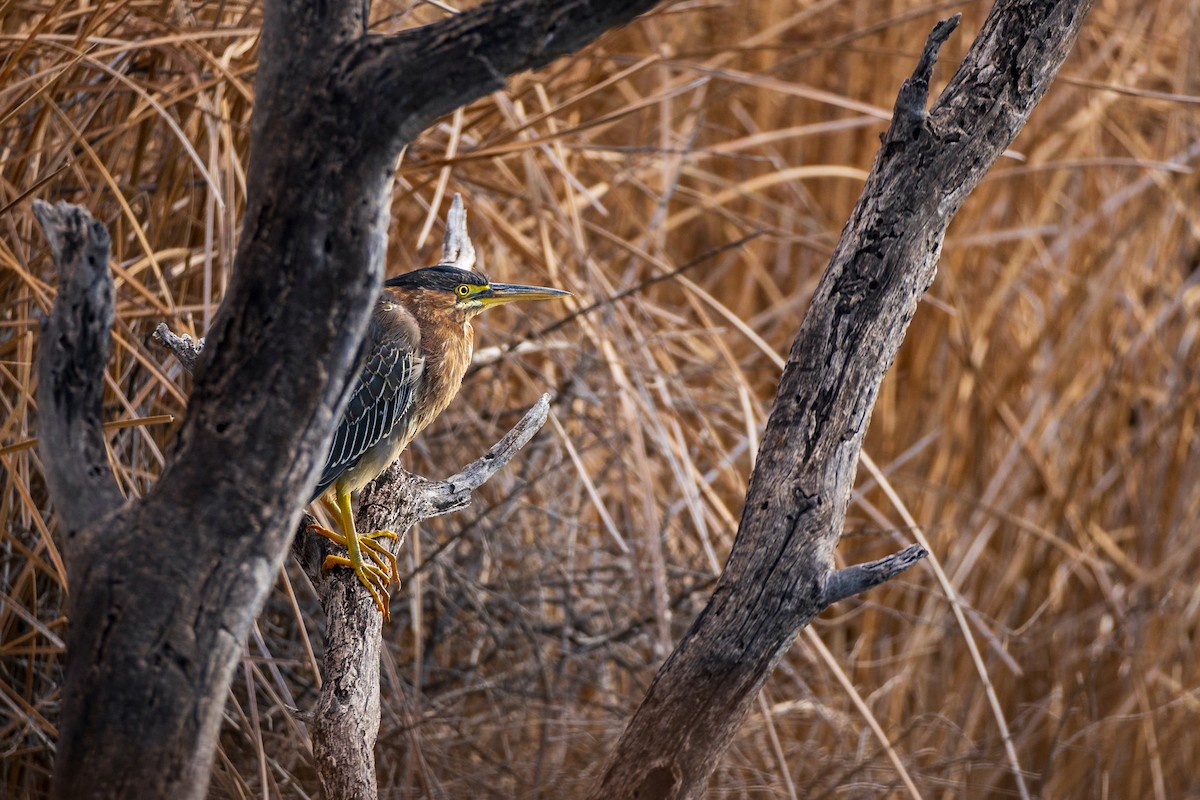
{"x":376,"y":574}
{"x":372,"y":577}
{"x":380,"y":554}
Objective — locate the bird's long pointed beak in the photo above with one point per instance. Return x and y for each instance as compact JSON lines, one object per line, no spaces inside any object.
{"x":500,"y":293}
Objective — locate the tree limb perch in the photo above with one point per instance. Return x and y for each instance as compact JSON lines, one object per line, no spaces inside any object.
{"x":345,"y":722}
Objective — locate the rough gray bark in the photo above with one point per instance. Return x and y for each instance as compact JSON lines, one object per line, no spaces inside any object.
{"x":165,"y":588}
{"x":780,"y":572}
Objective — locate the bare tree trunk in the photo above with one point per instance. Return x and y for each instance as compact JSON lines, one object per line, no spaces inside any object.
{"x":780,"y":573}
{"x":165,"y":588}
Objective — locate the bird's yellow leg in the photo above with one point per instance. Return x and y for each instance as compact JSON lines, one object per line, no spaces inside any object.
{"x":373,"y":573}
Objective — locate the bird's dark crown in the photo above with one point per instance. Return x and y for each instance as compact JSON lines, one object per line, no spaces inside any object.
{"x":442,"y":276}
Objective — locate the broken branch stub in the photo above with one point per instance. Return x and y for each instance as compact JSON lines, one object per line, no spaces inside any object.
{"x":72,"y":356}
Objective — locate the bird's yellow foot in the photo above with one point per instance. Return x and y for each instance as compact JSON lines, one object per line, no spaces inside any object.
{"x":379,"y":553}
{"x":376,"y":574}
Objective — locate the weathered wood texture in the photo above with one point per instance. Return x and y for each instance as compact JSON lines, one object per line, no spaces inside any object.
{"x":780,"y":572}
{"x":163,"y":589}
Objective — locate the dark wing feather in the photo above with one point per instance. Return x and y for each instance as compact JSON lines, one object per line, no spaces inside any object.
{"x":382,"y":396}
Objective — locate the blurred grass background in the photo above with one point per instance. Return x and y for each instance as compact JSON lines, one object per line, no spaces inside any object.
{"x":1039,"y":424}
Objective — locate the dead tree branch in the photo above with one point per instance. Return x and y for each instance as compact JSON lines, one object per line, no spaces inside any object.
{"x":780,"y":573}
{"x":75,"y":341}
{"x":186,"y":349}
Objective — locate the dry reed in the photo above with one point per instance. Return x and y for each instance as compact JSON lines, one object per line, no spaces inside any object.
{"x":1039,"y":424}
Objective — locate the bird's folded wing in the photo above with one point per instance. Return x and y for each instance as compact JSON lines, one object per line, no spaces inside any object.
{"x":379,"y":400}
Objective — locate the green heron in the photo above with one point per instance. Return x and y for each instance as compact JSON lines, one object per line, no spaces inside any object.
{"x":417,"y":350}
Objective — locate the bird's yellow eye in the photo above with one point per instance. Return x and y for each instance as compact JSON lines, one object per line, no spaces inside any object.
{"x":463,"y":290}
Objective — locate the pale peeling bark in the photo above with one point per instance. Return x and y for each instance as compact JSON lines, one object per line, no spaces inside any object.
{"x":780,"y":573}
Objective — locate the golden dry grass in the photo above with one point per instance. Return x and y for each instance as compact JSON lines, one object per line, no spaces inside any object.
{"x":1039,"y":424}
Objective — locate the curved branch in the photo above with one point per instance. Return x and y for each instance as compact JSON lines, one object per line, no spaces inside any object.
{"x":845,"y":583}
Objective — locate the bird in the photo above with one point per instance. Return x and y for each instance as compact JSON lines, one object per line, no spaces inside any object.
{"x":418,"y":348}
